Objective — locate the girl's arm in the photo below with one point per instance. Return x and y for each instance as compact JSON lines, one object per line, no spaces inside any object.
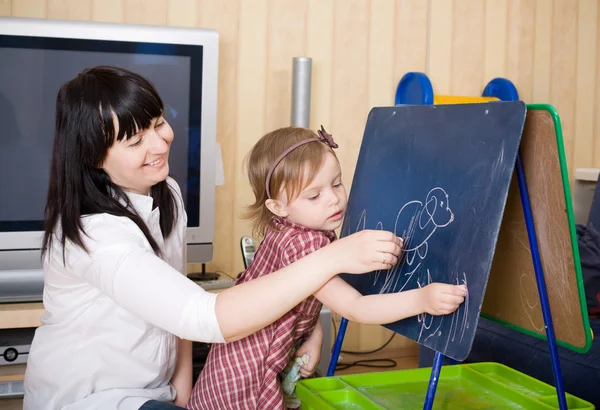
{"x":312,"y":346}
{"x":182,"y":378}
{"x":435,"y":299}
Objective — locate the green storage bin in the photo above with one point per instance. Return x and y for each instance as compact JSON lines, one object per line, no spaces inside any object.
{"x":481,"y":386}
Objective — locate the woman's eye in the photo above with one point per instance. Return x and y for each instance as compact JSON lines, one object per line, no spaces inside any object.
{"x":159,"y":124}
{"x":135,"y":144}
{"x":312,"y":198}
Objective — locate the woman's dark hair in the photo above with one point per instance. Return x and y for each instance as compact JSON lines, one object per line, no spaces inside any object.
{"x":86,"y":108}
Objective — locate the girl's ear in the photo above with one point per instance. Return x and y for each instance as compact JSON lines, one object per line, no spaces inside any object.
{"x":277,"y":207}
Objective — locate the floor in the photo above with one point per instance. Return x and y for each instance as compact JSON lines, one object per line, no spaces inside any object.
{"x":404,"y":360}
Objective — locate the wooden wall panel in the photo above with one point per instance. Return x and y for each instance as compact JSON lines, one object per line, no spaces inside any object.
{"x":467,"y":47}
{"x":585,"y":105}
{"x":286,"y":24}
{"x":319,"y":47}
{"x":29,"y":8}
{"x":542,"y":51}
{"x":519,"y":46}
{"x":109,"y":11}
{"x":596,"y":101}
{"x":350,"y":80}
{"x":5,"y":8}
{"x":183,"y":13}
{"x":563,"y":65}
{"x":440,"y":46}
{"x":224,"y":16}
{"x":410,"y":39}
{"x":381,"y":53}
{"x":495,"y":26}
{"x":251,"y":103}
{"x":70,"y":9}
{"x":153,"y":12}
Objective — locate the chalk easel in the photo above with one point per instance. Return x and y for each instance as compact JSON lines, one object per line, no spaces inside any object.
{"x":577,"y":337}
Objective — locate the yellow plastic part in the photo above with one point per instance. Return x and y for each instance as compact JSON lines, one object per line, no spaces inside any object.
{"x":456,"y":99}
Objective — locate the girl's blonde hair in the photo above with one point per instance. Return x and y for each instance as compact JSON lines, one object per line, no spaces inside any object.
{"x":295,"y":171}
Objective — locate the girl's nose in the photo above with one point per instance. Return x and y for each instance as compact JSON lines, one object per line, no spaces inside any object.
{"x":334,"y":198}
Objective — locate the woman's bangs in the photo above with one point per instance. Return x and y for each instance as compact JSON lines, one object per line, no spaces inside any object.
{"x":134,"y":112}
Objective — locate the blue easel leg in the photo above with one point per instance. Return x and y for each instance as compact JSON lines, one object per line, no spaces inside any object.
{"x":337,"y":347}
{"x":541,"y":283}
{"x":433,"y":380}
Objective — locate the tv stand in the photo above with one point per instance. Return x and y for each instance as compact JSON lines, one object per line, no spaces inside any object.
{"x":203,"y":276}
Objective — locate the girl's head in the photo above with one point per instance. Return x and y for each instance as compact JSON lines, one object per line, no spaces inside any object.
{"x":110,"y":138}
{"x":304,"y":180}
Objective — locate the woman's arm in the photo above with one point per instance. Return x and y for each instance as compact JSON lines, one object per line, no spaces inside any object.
{"x":121,"y":266}
{"x":250,"y":306}
{"x":182,"y":378}
{"x":435,"y":299}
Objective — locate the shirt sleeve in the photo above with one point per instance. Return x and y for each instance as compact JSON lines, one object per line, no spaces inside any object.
{"x":123,"y":266}
{"x":302,"y":244}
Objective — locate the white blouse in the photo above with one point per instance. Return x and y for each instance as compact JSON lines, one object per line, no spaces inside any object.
{"x":108,"y":337}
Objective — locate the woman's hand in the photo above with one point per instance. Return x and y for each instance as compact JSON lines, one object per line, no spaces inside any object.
{"x":366,"y":251}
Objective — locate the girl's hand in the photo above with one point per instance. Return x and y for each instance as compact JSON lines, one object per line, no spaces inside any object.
{"x":366,"y":251}
{"x":313,"y":350}
{"x":312,"y":347}
{"x":442,"y":298}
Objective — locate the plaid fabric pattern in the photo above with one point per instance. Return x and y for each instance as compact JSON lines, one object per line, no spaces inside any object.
{"x":243,"y":375}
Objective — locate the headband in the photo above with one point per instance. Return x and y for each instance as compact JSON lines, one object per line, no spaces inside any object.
{"x":324,"y":137}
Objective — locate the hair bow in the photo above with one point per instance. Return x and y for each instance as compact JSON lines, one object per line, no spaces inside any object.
{"x":326,"y":137}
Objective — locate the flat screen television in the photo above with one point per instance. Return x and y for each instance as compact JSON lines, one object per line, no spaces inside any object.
{"x":36,"y":57}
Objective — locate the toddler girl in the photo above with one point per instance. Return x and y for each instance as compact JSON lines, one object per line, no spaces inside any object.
{"x":300,"y":201}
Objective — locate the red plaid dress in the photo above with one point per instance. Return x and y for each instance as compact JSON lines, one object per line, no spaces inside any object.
{"x":244,"y":374}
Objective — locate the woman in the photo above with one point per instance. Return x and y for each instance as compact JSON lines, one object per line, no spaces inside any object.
{"x":120,"y":313}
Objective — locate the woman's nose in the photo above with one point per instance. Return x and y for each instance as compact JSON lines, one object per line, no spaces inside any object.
{"x":158,"y":145}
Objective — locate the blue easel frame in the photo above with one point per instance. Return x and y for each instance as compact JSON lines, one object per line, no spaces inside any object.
{"x":544,"y":301}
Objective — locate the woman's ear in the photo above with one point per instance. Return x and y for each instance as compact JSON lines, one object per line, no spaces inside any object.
{"x":277,"y":207}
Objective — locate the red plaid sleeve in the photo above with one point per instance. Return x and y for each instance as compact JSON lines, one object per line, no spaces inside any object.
{"x":302,"y":244}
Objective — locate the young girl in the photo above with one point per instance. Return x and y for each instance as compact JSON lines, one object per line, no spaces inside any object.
{"x":300,"y":201}
{"x":120,"y":313}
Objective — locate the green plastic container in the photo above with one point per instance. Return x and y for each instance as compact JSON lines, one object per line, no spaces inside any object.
{"x":481,"y":386}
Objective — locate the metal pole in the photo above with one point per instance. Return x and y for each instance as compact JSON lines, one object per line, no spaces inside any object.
{"x":541,"y":283}
{"x":337,"y":347}
{"x":301,"y":83}
{"x":433,"y":381}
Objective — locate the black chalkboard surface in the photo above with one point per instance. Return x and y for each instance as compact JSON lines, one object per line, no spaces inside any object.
{"x":438,"y":176}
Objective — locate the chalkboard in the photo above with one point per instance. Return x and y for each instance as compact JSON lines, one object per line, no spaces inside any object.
{"x":438,"y":176}
{"x":512,"y":296}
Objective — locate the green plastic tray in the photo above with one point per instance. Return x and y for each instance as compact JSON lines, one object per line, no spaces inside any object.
{"x":464,"y":386}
